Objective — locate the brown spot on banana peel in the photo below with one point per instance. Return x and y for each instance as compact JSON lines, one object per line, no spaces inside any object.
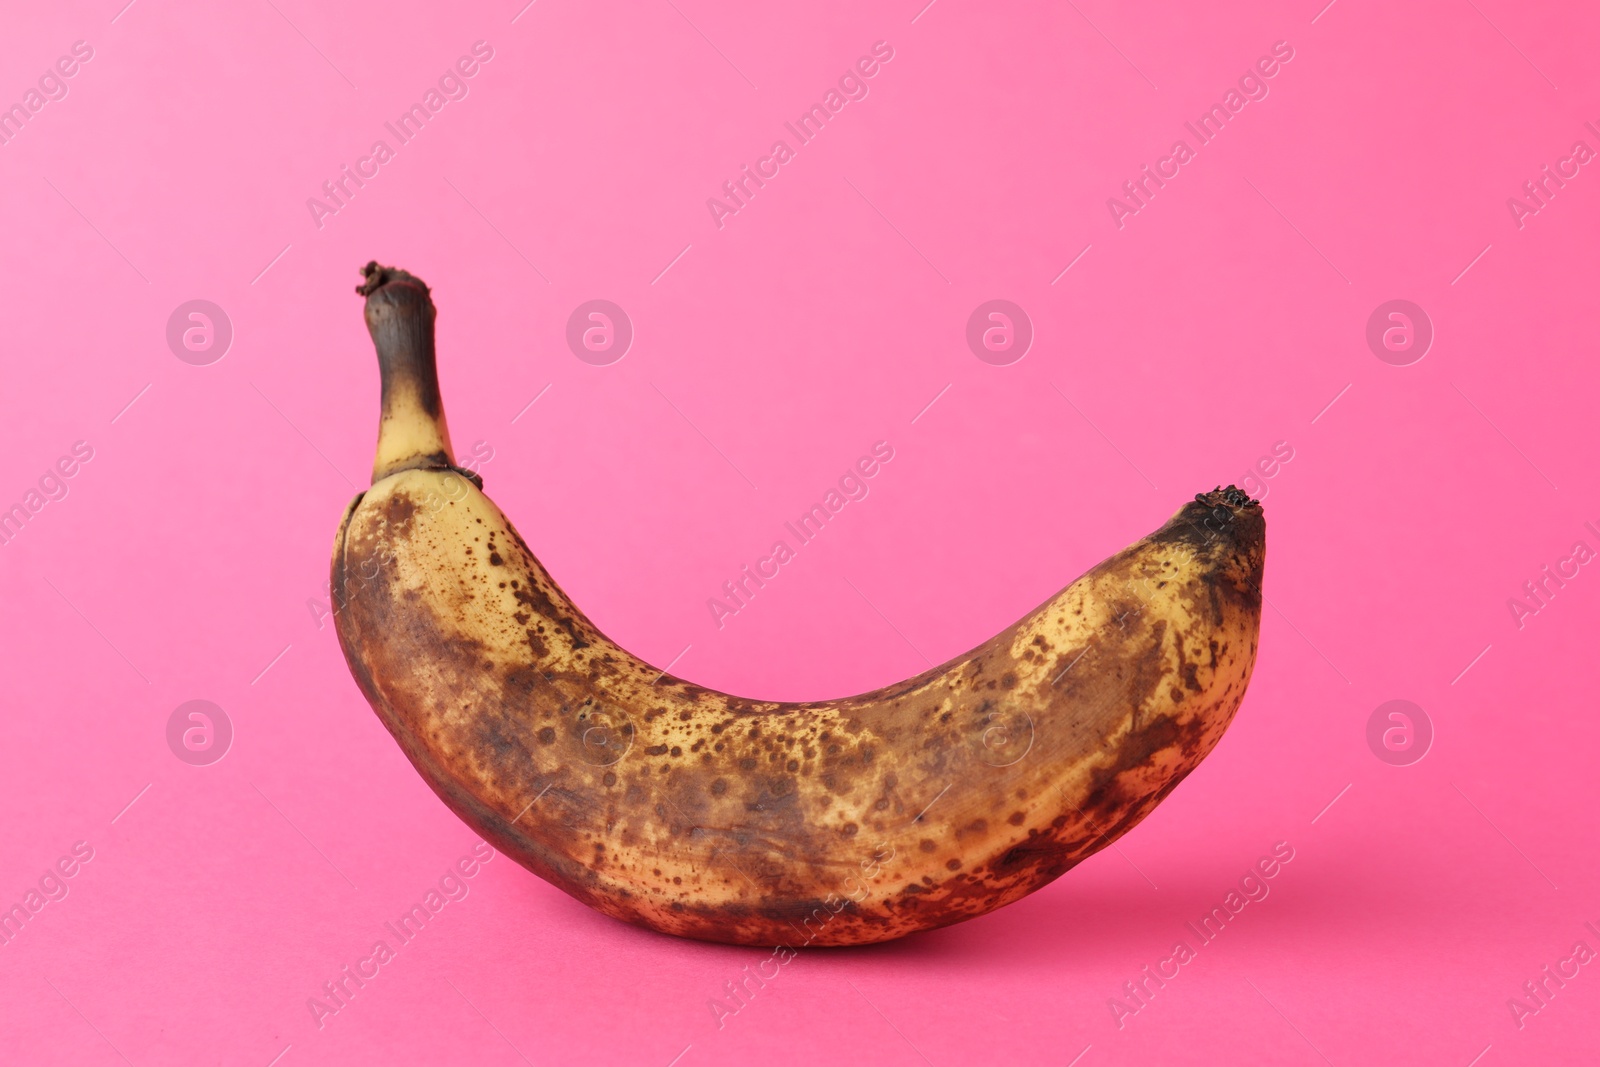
{"x":753,"y":822}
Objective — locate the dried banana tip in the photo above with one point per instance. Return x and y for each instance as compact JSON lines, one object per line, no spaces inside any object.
{"x":1232,"y":497}
{"x":377,"y":276}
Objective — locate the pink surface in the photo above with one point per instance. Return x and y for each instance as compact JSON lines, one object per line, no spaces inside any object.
{"x":1229,"y":314}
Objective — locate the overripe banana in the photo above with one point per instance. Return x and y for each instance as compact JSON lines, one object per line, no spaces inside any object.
{"x":711,"y":816}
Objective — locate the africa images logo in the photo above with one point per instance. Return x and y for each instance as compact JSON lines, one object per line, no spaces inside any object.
{"x":51,"y":86}
{"x":453,"y":84}
{"x":1252,"y":86}
{"x":852,"y":85}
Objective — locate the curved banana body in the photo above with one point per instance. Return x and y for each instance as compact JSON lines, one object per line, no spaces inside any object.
{"x":696,"y":813}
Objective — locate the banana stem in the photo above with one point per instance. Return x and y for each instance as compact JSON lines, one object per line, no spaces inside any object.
{"x":412,"y":432}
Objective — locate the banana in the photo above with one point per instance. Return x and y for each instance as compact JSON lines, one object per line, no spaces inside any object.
{"x":710,"y":816}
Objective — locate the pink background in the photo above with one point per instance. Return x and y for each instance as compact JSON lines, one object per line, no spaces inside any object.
{"x":1222,"y":318}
